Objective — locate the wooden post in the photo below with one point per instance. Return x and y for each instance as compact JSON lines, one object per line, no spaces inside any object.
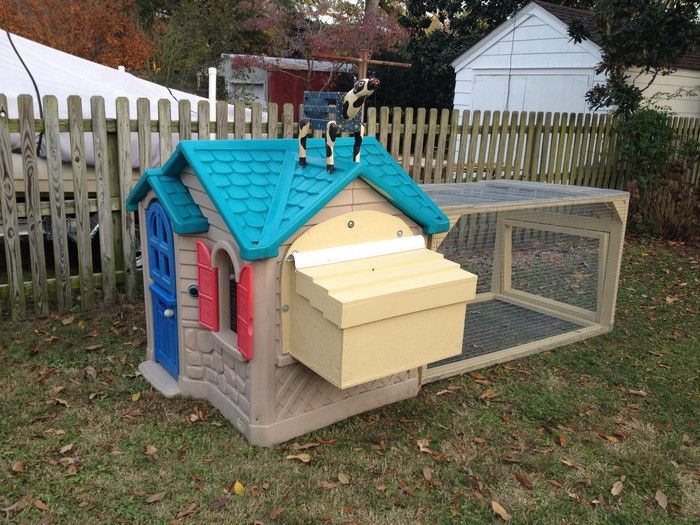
{"x":104,"y":201}
{"x":451,"y":146}
{"x":441,"y":145}
{"x":221,"y":120}
{"x":288,"y":121}
{"x":30,"y":166}
{"x":143,"y":127}
{"x":203,"y":120}
{"x":239,"y":120}
{"x":256,"y":120}
{"x":407,"y":136}
{"x":8,"y":214}
{"x":165,"y":137}
{"x":184,"y":115}
{"x":125,"y":182}
{"x":272,"y":121}
{"x":82,"y":210}
{"x":463,"y":136}
{"x":57,"y":205}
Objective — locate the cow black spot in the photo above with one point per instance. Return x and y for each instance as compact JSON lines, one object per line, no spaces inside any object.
{"x":358,"y":103}
{"x":346,"y":106}
{"x":333,"y":132}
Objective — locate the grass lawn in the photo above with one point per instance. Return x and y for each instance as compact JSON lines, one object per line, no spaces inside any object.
{"x":604,"y":431}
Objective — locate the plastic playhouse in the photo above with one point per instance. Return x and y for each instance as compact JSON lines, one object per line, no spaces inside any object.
{"x":287,"y":296}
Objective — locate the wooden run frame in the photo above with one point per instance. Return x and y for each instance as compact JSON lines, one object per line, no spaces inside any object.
{"x":610,"y":235}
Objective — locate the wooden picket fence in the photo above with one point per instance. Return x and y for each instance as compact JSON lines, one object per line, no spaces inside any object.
{"x":432,"y":146}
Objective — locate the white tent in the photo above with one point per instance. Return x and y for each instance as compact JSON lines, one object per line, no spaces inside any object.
{"x":27,"y":67}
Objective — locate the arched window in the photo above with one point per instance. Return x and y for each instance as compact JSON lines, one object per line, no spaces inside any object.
{"x":228,"y":309}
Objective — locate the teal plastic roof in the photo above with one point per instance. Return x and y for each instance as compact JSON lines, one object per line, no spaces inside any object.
{"x":264,"y":197}
{"x":185,"y":215}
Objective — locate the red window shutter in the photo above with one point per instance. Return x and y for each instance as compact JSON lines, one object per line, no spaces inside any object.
{"x":244,"y":299}
{"x":208,"y":279}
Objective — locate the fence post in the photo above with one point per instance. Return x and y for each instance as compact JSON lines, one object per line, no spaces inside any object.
{"x":430,"y":146}
{"x":82,"y":210}
{"x":395,"y":132}
{"x":459,"y":176}
{"x":203,"y":120}
{"x":239,"y":120}
{"x":8,"y":211}
{"x":165,"y":137}
{"x":184,"y":115}
{"x":272,"y":121}
{"x":125,"y":181}
{"x":104,"y":201}
{"x":30,"y":166}
{"x":441,"y":144}
{"x":57,"y":205}
{"x":451,"y":146}
{"x":418,"y":148}
{"x":222,"y":119}
{"x":407,"y":136}
{"x":143,"y":129}
{"x":288,"y":121}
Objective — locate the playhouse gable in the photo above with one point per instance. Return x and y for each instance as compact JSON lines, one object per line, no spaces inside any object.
{"x":264,"y":197}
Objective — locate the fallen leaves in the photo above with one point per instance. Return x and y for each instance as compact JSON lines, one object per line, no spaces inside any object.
{"x":304,"y":457}
{"x":523,"y":479}
{"x":423,"y":446}
{"x":343,"y":478}
{"x":17,"y":507}
{"x":220,"y":503}
{"x":498,"y":509}
{"x":328,"y":485}
{"x":428,"y":473}
{"x":638,"y":393}
{"x":239,"y":488}
{"x":563,"y":441}
{"x":661,"y":499}
{"x":571,"y":463}
{"x":135,"y":397}
{"x":153,"y":498}
{"x":617,"y":487}
{"x":306,"y":446}
{"x":92,"y":348}
{"x":57,"y":401}
{"x":195,"y":416}
{"x":17,"y":467}
{"x":66,"y":448}
{"x":67,"y":320}
{"x":488,"y":394}
{"x":187,"y":511}
{"x":150,"y":451}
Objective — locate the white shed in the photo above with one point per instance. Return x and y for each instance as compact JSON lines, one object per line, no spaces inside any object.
{"x":529,"y":63}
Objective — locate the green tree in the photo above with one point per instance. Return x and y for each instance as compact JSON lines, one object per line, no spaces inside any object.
{"x":648,"y":36}
{"x":192,"y":35}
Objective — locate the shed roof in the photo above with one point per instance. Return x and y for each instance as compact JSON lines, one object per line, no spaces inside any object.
{"x":264,"y":196}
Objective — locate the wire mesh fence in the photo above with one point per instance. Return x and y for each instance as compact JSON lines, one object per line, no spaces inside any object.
{"x":541,"y":273}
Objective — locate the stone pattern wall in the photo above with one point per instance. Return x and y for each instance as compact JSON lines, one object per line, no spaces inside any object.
{"x":208,"y":361}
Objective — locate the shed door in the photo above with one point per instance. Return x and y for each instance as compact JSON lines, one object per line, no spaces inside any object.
{"x":161,"y":268}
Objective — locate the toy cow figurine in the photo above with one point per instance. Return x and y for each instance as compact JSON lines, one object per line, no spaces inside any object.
{"x":348,"y":118}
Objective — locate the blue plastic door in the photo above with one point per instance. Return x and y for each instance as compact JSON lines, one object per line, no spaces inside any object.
{"x":161,"y":268}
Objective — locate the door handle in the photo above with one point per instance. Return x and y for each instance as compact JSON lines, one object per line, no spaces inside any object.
{"x":169,"y":312}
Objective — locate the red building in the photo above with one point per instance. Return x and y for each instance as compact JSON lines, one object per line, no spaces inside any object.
{"x":278,"y":80}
